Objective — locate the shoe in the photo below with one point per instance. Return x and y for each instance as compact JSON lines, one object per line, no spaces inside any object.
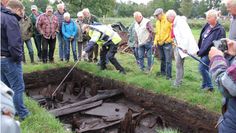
{"x":160,"y":74}
{"x":61,"y":59}
{"x":208,"y":89}
{"x":23,"y":118}
{"x":122,"y":72}
{"x":168,"y":78}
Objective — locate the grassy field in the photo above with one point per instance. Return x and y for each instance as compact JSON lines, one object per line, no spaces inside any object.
{"x":42,"y":122}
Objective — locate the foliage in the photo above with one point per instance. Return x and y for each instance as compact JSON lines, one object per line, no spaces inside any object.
{"x":41,"y":4}
{"x":98,"y":7}
{"x":186,"y":7}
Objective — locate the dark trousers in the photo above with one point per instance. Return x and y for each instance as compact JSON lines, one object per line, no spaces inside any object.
{"x":109,"y":50}
{"x":45,"y":44}
{"x":165,"y":52}
{"x":38,"y":43}
{"x":93,"y":54}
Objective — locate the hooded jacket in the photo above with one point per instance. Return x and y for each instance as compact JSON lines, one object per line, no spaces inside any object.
{"x":11,"y":42}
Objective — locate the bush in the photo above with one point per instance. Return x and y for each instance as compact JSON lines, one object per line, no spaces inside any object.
{"x":199,"y":23}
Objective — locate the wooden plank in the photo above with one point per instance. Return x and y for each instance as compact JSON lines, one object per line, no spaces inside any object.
{"x":65,"y":111}
{"x":102,"y":96}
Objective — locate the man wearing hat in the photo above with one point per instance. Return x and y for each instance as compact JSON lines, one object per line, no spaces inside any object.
{"x":36,"y":35}
{"x":48,"y":27}
{"x":163,"y":41}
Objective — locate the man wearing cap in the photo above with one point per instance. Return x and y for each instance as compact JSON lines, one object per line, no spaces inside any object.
{"x":164,"y":42}
{"x":59,"y":13}
{"x":144,"y":32}
{"x":48,"y":27}
{"x":36,"y":35}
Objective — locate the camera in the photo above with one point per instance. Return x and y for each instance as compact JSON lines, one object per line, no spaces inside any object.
{"x":221,"y":44}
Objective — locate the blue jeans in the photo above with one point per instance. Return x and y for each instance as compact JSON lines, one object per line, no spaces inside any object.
{"x":135,"y":52}
{"x":146,"y":48}
{"x":165,"y":52}
{"x":62,"y":47}
{"x":12,"y":76}
{"x":204,"y":70}
{"x":73,"y":44}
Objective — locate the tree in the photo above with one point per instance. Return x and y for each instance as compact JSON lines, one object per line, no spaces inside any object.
{"x":41,"y":4}
{"x":186,"y":7}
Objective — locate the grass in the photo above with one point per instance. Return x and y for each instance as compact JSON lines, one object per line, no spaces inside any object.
{"x":42,"y":122}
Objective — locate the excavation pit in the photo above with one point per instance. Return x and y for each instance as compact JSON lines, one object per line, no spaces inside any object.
{"x":91,"y":104}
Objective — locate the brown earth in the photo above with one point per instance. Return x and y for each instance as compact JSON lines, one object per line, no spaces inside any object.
{"x":172,"y":112}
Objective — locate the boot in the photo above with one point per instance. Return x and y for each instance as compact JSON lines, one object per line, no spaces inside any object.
{"x":32,"y":58}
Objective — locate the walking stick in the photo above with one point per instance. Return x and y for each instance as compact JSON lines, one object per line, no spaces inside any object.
{"x":192,"y":56}
{"x":54,"y":92}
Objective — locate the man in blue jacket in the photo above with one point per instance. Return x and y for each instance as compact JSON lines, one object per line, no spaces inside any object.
{"x":11,"y":53}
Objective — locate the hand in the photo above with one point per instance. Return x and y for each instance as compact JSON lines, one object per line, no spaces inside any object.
{"x":84,"y":54}
{"x":214,"y":52}
{"x":185,"y":51}
{"x":231,"y":47}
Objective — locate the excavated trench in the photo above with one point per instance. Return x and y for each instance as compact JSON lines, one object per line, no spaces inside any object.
{"x":91,"y":104}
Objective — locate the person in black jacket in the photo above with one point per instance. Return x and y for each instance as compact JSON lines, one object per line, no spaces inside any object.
{"x":11,"y":53}
{"x":210,"y":32}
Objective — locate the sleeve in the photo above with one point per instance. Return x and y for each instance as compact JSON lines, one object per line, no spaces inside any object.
{"x":75,"y":30}
{"x":94,"y":38}
{"x":39,"y":24}
{"x":150,"y":29}
{"x":224,"y":76}
{"x":156,"y":34}
{"x":14,"y":40}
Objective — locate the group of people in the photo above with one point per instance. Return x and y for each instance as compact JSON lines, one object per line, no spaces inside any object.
{"x":46,"y":27}
{"x":171,"y":33}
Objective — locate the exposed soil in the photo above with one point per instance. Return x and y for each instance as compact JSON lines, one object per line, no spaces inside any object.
{"x":133,"y":109}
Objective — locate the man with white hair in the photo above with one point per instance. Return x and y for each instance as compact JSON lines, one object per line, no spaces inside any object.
{"x":36,"y":35}
{"x":59,"y":14}
{"x":69,"y":31}
{"x":91,"y":20}
{"x":48,"y":26}
{"x":212,"y":31}
{"x":184,"y":39}
{"x":144,"y":32}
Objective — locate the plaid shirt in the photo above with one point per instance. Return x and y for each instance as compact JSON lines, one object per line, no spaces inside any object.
{"x":48,"y":26}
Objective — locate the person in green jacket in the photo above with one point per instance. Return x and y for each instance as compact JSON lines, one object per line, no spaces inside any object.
{"x":36,"y":35}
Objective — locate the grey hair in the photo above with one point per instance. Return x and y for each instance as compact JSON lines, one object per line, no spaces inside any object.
{"x":67,"y":14}
{"x":170,"y":13}
{"x":137,"y":13}
{"x":60,"y":5}
{"x":86,"y":10}
{"x":212,"y":13}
